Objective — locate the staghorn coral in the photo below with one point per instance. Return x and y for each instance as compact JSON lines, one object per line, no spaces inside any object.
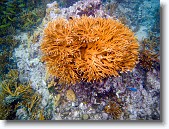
{"x":88,"y":49}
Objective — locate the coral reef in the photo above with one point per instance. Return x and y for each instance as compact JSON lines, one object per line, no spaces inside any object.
{"x":137,"y":95}
{"x":88,"y":49}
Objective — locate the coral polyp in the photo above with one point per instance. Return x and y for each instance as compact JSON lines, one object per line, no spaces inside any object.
{"x":88,"y":49}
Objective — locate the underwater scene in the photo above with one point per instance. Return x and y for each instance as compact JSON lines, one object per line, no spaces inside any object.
{"x":80,"y":60}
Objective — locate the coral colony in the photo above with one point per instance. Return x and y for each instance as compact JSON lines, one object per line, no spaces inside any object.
{"x":88,"y":49}
{"x":81,"y":60}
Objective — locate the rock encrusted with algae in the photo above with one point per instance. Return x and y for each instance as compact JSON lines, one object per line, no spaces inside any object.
{"x":87,"y":7}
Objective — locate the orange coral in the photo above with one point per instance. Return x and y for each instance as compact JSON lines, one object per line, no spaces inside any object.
{"x":88,"y":49}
